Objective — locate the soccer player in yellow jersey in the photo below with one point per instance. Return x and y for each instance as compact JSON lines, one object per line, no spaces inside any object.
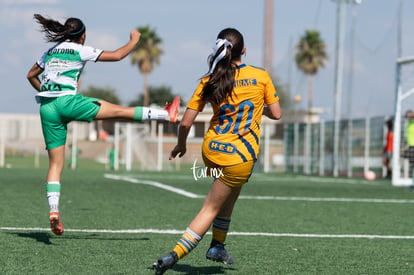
{"x":238,"y":94}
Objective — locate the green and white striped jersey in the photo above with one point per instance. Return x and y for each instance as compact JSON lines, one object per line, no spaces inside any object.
{"x":63,"y":65}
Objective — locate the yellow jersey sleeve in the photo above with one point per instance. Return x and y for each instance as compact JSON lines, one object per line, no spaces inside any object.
{"x":196,"y":102}
{"x":270,"y":93}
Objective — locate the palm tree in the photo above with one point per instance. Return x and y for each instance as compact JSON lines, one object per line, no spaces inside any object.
{"x":146,"y":54}
{"x":310,"y":56}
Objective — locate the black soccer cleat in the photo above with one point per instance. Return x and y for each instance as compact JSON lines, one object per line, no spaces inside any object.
{"x":165,"y":262}
{"x":218,"y":253}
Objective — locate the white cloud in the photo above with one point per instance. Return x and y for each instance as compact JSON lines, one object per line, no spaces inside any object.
{"x":24,"y":41}
{"x":13,"y":16}
{"x":18,"y":16}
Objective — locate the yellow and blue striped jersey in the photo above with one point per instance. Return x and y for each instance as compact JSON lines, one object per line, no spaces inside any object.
{"x":234,"y":133}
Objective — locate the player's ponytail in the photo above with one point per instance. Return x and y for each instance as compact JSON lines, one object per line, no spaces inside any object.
{"x":56,"y":32}
{"x":228,"y":48}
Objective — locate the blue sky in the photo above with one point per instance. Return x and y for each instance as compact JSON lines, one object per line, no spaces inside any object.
{"x":189,"y":28}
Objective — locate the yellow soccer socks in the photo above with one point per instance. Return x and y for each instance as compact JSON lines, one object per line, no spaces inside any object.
{"x":187,"y":243}
{"x":220,"y":229}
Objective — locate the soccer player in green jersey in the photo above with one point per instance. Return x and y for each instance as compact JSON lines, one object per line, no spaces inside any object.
{"x":55,"y":76}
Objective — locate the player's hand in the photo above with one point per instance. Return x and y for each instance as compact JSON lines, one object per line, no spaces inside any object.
{"x":134,"y":35}
{"x":178,"y":150}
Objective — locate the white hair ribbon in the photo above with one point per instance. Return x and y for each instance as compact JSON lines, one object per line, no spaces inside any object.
{"x":219,"y":43}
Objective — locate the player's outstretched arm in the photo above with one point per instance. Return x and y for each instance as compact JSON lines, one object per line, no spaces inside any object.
{"x":123,"y":51}
{"x":183,"y":130}
{"x":273,"y":111}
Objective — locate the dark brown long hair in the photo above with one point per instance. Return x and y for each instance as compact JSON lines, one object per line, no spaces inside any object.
{"x":56,"y":32}
{"x":221,"y":81}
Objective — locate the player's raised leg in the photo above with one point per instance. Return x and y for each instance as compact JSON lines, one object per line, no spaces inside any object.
{"x":139,"y":113}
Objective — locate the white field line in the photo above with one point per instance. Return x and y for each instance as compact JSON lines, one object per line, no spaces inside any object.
{"x":260,"y":177}
{"x":325,"y":199}
{"x":179,"y":232}
{"x":278,"y":198}
{"x":349,"y":181}
{"x":155,"y":184}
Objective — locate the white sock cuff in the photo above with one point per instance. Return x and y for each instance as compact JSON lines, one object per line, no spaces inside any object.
{"x":193,"y":234}
{"x":158,"y":114}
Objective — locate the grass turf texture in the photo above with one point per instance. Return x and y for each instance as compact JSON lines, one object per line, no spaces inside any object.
{"x":91,"y":201}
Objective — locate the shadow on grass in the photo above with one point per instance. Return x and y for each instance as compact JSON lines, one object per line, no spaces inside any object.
{"x":45,"y":237}
{"x":191,"y":270}
{"x":104,"y":238}
{"x":41,"y":237}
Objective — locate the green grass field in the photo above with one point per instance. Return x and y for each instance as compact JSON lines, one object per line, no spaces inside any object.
{"x":282,"y":224}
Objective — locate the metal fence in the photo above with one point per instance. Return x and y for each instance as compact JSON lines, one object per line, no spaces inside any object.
{"x":290,"y":147}
{"x":308,"y":147}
